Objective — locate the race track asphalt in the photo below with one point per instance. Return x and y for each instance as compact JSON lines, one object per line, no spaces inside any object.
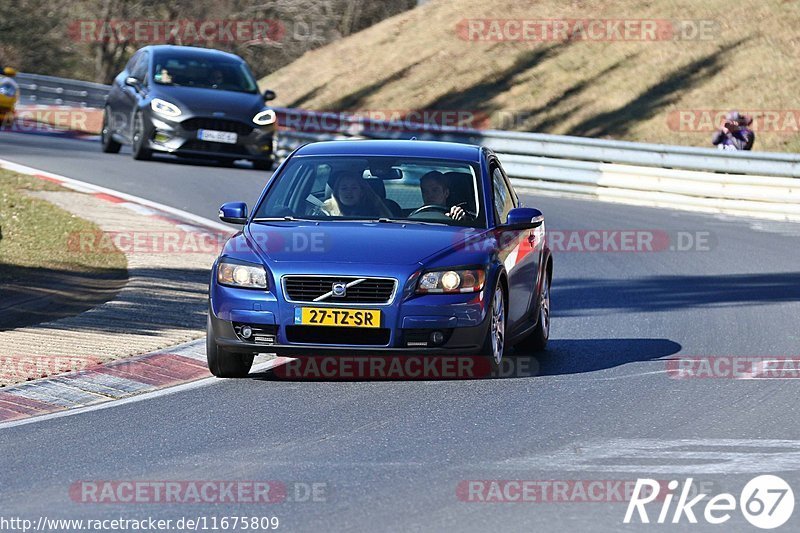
{"x":599,"y":405}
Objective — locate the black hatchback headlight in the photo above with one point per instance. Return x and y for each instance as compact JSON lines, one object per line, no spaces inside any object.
{"x":164,"y":108}
{"x":265,"y":117}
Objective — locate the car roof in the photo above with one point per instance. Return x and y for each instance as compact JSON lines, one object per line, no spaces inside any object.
{"x":191,"y":51}
{"x":403,"y":148}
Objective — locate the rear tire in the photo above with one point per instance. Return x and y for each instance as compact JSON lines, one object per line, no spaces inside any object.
{"x":109,"y":145}
{"x":537,"y":340}
{"x":494,"y":345}
{"x":260,"y":164}
{"x":223,"y":363}
{"x":140,"y":152}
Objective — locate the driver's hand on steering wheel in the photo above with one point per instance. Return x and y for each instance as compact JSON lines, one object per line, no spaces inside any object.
{"x":456,"y":213}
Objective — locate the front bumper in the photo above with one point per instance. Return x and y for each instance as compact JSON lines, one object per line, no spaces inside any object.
{"x":181,"y":138}
{"x":407,"y":324}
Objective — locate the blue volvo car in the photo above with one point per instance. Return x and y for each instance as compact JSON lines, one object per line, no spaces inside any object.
{"x":381,"y":247}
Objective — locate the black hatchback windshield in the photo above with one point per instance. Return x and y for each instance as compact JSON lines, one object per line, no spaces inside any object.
{"x":207,"y":73}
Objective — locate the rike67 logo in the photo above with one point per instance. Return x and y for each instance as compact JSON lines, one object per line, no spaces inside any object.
{"x":767,"y":502}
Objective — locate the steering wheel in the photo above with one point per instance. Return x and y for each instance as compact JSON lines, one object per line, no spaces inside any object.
{"x":430,"y":207}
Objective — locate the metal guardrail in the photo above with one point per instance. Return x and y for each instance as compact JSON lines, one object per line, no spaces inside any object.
{"x":35,"y":88}
{"x":555,"y":146}
{"x":760,"y":184}
{"x":49,"y":90}
{"x":654,"y":174}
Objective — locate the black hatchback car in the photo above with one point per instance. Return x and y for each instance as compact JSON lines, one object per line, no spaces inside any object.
{"x":191,"y":102}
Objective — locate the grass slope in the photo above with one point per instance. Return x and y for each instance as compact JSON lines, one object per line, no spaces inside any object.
{"x":36,"y":234}
{"x":613,"y":89}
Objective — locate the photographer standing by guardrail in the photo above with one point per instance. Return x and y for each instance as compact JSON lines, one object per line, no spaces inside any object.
{"x":734,"y":133}
{"x":9,"y":92}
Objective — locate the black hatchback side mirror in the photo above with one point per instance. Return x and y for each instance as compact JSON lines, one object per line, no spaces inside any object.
{"x":269,"y":95}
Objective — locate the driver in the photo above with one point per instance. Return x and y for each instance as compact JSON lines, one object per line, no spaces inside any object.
{"x":435,"y":191}
{"x":353,"y":197}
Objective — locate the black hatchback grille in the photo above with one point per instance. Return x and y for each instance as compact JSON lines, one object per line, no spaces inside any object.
{"x":369,"y":291}
{"x":219,"y":124}
{"x":197,"y":145}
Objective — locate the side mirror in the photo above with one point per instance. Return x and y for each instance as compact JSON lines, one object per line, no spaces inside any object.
{"x":233,"y":213}
{"x":524,"y":218}
{"x":132,"y":81}
{"x":269,"y":95}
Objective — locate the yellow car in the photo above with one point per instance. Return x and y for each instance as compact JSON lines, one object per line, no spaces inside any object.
{"x":9,"y":92}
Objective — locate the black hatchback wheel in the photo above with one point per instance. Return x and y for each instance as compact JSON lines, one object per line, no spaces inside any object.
{"x":261,"y":164}
{"x":109,"y":145}
{"x":140,"y":152}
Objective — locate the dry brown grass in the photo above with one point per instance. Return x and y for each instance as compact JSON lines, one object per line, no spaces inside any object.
{"x":624,"y":90}
{"x":36,"y":234}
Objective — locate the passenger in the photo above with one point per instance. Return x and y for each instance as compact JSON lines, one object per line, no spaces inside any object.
{"x":217,"y":78}
{"x":734,"y":133}
{"x":435,"y":191}
{"x":353,"y":197}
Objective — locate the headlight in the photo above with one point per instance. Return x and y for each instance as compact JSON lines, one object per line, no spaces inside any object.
{"x":242,"y":275}
{"x":162,"y":107}
{"x":451,"y":281}
{"x":265,"y":118}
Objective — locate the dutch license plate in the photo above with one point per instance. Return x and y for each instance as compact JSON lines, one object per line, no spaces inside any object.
{"x":326,"y":316}
{"x":227,"y":137}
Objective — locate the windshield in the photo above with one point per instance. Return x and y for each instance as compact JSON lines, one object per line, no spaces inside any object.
{"x":221,"y":74}
{"x":377,"y":188}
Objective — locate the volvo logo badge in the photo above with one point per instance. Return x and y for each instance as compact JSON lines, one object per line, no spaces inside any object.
{"x":339,"y":289}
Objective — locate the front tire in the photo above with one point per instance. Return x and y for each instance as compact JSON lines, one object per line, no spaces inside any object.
{"x":109,"y":145}
{"x":140,"y":151}
{"x":494,"y":345}
{"x":224,"y":364}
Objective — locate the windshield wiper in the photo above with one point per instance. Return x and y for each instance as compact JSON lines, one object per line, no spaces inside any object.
{"x":278,"y":219}
{"x":407,"y":221}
